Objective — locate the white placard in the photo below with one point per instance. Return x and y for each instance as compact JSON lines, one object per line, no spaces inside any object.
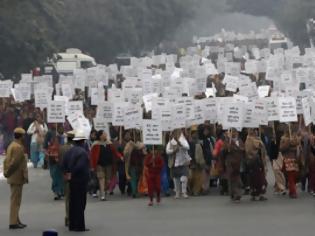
{"x":132,"y":117}
{"x":240,"y":98}
{"x":231,"y":82}
{"x":5,"y":88}
{"x":133,"y":96}
{"x":118,"y":114}
{"x":115,"y":95}
{"x":67,"y":90}
{"x":152,"y":132}
{"x":248,"y":90}
{"x":261,"y":112}
{"x":147,"y":100}
{"x":251,"y":67}
{"x":56,"y":112}
{"x":263,"y":91}
{"x":272,"y":108}
{"x":100,"y":124}
{"x":41,"y":99}
{"x":199,"y":113}
{"x":75,"y":107}
{"x":306,"y":111}
{"x":249,"y":116}
{"x":287,"y":109}
{"x":232,"y":68}
{"x":178,"y":116}
{"x":210,"y":109}
{"x":105,"y":111}
{"x":233,"y":115}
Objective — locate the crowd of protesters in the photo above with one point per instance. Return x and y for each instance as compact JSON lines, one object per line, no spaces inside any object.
{"x":192,"y":161}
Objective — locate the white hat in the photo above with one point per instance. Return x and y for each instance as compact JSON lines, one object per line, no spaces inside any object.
{"x":79,"y":135}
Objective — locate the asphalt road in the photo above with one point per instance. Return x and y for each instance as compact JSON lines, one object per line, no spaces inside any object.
{"x":210,"y":215}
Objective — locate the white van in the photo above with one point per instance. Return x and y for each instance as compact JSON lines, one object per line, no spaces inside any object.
{"x":67,"y":62}
{"x":278,"y":41}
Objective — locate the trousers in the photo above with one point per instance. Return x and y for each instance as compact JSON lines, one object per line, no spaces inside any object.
{"x":77,"y":206}
{"x":292,"y":175}
{"x":15,"y":203}
{"x":154,"y":185}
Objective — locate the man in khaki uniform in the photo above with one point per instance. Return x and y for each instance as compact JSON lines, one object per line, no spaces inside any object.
{"x":15,"y":170}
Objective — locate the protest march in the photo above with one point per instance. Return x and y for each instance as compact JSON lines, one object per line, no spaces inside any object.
{"x":216,"y":115}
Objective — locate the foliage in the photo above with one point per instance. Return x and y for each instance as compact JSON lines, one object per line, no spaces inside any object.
{"x":32,"y":30}
{"x":289,"y":15}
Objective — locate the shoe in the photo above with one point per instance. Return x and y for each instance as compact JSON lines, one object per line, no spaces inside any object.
{"x":23,"y":225}
{"x":94,"y":195}
{"x":283,"y":193}
{"x":185,"y":195}
{"x":158,"y":200}
{"x":313,"y":194}
{"x":57,"y":198}
{"x":17,"y":226}
{"x":236,"y":200}
{"x":103,"y":199}
{"x":176,"y":196}
{"x":262,"y":198}
{"x":293,"y":196}
{"x":111,"y":193}
{"x":80,"y":230}
{"x":253,"y":199}
{"x":150,"y":203}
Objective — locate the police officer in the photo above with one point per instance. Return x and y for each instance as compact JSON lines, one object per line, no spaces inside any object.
{"x":76,"y":169}
{"x":15,"y":170}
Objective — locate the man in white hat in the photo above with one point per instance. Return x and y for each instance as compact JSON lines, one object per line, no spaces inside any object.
{"x":62,"y":152}
{"x":76,"y":169}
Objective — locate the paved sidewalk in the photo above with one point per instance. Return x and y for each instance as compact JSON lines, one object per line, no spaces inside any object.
{"x":121,"y":216}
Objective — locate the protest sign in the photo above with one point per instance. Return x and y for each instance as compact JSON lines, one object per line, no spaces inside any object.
{"x":261,"y":112}
{"x":263,"y":91}
{"x":5,"y":88}
{"x":272,"y":108}
{"x":118,"y":114}
{"x":41,"y":99}
{"x":147,"y":100}
{"x":233,"y":115}
{"x":251,"y":67}
{"x":152,"y":132}
{"x":56,"y":112}
{"x":306,"y":111}
{"x":178,"y":116}
{"x":75,"y":107}
{"x":105,"y":111}
{"x":250,"y":120}
{"x":287,"y":109}
{"x":132,"y":117}
{"x":100,"y":124}
{"x":210,"y":109}
{"x":231,"y":82}
{"x":115,"y":95}
{"x":67,"y":90}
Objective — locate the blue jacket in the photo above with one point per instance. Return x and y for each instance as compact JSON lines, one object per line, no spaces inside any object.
{"x":76,"y":162}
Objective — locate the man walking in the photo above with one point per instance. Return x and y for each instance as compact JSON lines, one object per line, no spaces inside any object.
{"x":15,"y":170}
